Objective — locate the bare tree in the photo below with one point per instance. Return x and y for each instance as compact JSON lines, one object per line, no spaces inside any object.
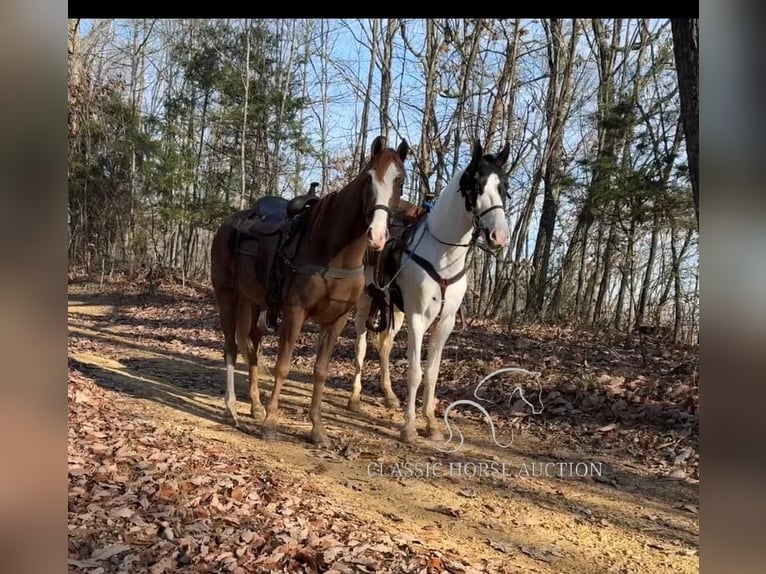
{"x":686,"y":49}
{"x":385,"y":76}
{"x":560,"y":62}
{"x":243,"y":137}
{"x":362,"y":148}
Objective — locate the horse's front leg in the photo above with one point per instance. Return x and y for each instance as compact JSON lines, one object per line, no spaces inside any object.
{"x":327,"y":339}
{"x":288,"y":334}
{"x":385,"y":344}
{"x":435,"y":347}
{"x":360,"y":350}
{"x":416,"y":329}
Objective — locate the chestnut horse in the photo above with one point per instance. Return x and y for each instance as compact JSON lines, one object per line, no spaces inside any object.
{"x":322,"y":279}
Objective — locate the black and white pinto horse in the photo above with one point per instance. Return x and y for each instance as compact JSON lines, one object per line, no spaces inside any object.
{"x":432,"y":282}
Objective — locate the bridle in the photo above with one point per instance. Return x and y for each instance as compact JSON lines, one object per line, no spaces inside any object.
{"x":471,"y":199}
{"x":427,"y":266}
{"x":370,"y":213}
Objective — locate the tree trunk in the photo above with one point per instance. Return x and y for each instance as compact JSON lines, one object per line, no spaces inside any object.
{"x":243,"y":139}
{"x":324,"y":36}
{"x":590,"y":284}
{"x":686,"y":50}
{"x":428,"y":131}
{"x":285,"y":79}
{"x":602,"y":167}
{"x":626,"y":276}
{"x":362,"y":151}
{"x":466,"y":70}
{"x":677,"y":306}
{"x":558,"y":102}
{"x":385,"y":77}
{"x":504,"y":101}
{"x":300,"y":149}
{"x":643,"y":297}
{"x":603,"y":287}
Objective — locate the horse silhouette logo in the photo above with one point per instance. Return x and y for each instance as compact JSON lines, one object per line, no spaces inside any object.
{"x":517,"y":389}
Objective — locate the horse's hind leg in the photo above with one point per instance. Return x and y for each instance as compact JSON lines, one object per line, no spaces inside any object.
{"x":253,"y":356}
{"x":288,"y":334}
{"x":227,"y":307}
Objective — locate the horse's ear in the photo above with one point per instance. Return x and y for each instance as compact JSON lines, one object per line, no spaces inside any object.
{"x":477,"y":152}
{"x":377,"y":145}
{"x":502,"y":155}
{"x":403,"y":150}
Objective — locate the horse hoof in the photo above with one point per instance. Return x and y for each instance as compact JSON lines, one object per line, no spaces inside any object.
{"x":269,"y":431}
{"x":391,"y":402}
{"x":354,"y":405}
{"x":257,"y":411}
{"x":320,"y":439}
{"x":435,"y":435}
{"x":230,"y":417}
{"x":408,"y":435}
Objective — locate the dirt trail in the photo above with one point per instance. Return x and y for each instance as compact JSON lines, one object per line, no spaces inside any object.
{"x":624,"y":520}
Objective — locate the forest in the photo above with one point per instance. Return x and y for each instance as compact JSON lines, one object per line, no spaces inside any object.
{"x":173,"y":124}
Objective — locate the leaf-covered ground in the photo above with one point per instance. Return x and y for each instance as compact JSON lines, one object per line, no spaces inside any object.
{"x":159,"y":482}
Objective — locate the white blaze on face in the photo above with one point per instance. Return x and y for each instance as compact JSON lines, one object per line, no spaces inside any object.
{"x":384,"y":191}
{"x":495,"y":220}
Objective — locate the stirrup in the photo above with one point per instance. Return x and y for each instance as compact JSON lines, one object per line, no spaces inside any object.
{"x":272,"y":316}
{"x":377,"y":318}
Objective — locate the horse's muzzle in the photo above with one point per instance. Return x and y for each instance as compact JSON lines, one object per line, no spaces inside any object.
{"x":497,"y":237}
{"x":376,"y":240}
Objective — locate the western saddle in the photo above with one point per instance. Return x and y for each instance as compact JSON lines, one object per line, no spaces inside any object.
{"x":272,"y":230}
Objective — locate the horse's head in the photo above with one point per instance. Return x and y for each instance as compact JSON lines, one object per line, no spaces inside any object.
{"x":484,"y":185}
{"x":384,"y":189}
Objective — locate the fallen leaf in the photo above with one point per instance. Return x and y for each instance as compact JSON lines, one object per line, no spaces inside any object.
{"x":83,"y":563}
{"x":501,"y":546}
{"x":681,"y":457}
{"x":436,"y":564}
{"x":123,"y":512}
{"x":109,"y":551}
{"x":447,"y":511}
{"x":688,"y":552}
{"x":535,"y":553}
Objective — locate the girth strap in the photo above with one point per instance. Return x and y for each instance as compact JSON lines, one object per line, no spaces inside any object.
{"x":329,"y":272}
{"x":323,"y":270}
